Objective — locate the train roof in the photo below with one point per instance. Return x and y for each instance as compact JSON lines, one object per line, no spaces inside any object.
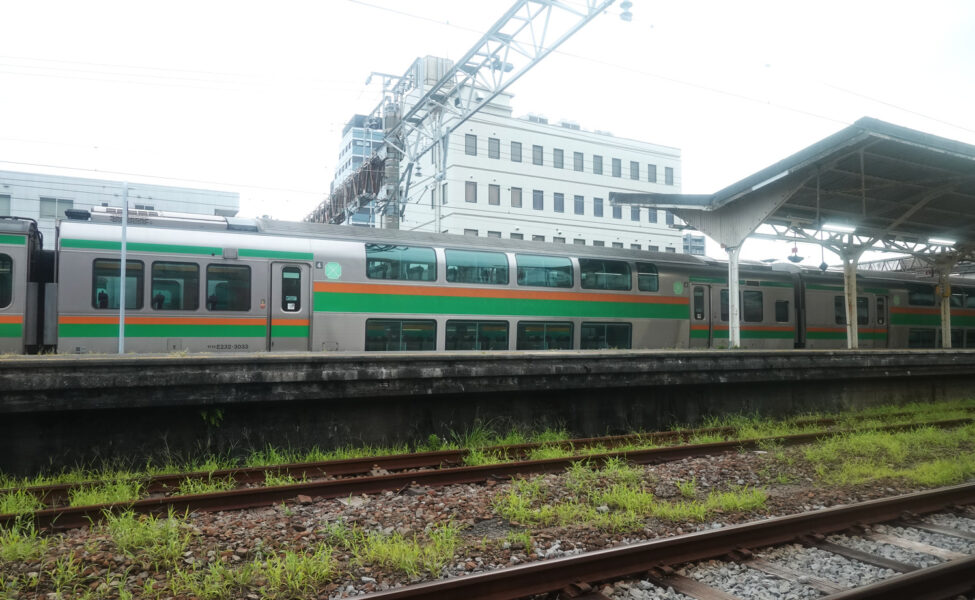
{"x":17,"y":225}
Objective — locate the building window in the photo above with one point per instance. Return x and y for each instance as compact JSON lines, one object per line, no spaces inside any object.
{"x":494,"y":194}
{"x":538,"y":238}
{"x":53,"y":208}
{"x":517,"y":236}
{"x":443,"y":194}
{"x":579,"y":242}
{"x":558,"y":158}
{"x":105,"y":289}
{"x":577,"y":161}
{"x":4,"y":205}
{"x":671,"y":250}
{"x":471,"y":266}
{"x":602,"y":336}
{"x":228,"y":287}
{"x":653,"y":248}
{"x":647,"y":279}
{"x":634,"y":246}
{"x":476,"y":335}
{"x":599,"y":274}
{"x":537,"y":155}
{"x":175,"y":286}
{"x":433,"y":193}
{"x":669,"y":175}
{"x":652,"y":212}
{"x":598,"y":243}
{"x":652,"y":173}
{"x":579,"y":204}
{"x":515,"y":197}
{"x":559,"y":201}
{"x":515,"y":151}
{"x":544,"y":271}
{"x":634,"y":213}
{"x":470,"y":191}
{"x":617,"y":167}
{"x":634,"y":170}
{"x":494,"y":148}
{"x":472,"y":232}
{"x":669,"y":217}
{"x":617,"y":212}
{"x":617,"y":244}
{"x":538,"y":200}
{"x":400,"y":262}
{"x":597,"y":164}
{"x":542,"y":335}
{"x":384,"y":335}
{"x":597,"y":207}
{"x":558,"y":240}
{"x":470,"y":144}
{"x":494,"y":234}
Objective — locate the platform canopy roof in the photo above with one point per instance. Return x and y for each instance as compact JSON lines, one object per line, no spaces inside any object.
{"x":896,"y":186}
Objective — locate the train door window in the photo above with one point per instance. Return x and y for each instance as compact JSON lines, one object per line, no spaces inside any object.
{"x":546,"y":271}
{"x":544,"y":335}
{"x":469,"y":266}
{"x":291,"y":289}
{"x":175,"y":286}
{"x":105,"y":290}
{"x":724,"y":305}
{"x":228,"y":287}
{"x":647,"y":279}
{"x":781,"y":311}
{"x":921,"y":338}
{"x":598,"y":274}
{"x":384,"y":261}
{"x":863,"y":310}
{"x":384,"y":335}
{"x":600,"y":336}
{"x":6,"y":280}
{"x":881,"y":311}
{"x":698,"y":303}
{"x":476,"y":335}
{"x":752,"y":306}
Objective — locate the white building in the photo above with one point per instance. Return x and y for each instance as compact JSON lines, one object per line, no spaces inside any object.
{"x":46,"y":197}
{"x":362,"y":136}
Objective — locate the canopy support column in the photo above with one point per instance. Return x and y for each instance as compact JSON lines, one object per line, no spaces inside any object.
{"x":850,"y":258}
{"x":734,"y":308}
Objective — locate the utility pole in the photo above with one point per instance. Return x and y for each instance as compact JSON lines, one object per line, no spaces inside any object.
{"x":391,"y":119}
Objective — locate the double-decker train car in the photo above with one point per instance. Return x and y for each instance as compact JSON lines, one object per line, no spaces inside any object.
{"x":214,"y":284}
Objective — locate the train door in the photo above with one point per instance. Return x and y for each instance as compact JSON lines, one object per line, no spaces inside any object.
{"x":701,"y":336}
{"x":882,"y":331}
{"x":290,"y":314}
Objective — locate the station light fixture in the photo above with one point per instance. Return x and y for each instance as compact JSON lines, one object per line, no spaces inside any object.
{"x":941,"y":241}
{"x":839,"y":227}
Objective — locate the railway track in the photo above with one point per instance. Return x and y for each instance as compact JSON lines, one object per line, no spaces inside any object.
{"x":425,"y":469}
{"x":850,"y":532}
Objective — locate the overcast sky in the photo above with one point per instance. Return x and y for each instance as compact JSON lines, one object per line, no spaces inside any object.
{"x":252,"y":96}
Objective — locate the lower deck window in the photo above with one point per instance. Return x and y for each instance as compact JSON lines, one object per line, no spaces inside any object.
{"x":476,"y":335}
{"x":921,"y":338}
{"x":600,"y":336}
{"x":394,"y":335}
{"x":544,"y":335}
{"x":105,"y":289}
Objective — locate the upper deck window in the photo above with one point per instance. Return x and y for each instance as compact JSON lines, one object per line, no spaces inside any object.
{"x":598,"y":274}
{"x":384,"y":261}
{"x":647,"y":278}
{"x":547,"y":271}
{"x":469,"y":266}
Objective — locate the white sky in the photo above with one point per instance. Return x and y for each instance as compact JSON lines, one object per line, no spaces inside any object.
{"x":252,"y":96}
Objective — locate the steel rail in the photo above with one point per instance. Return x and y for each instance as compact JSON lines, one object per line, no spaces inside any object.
{"x":243,"y":498}
{"x":637,"y":559}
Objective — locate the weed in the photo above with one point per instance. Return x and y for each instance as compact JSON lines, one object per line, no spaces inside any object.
{"x":688,"y":489}
{"x":159,"y":541}
{"x":395,"y":551}
{"x":19,"y":502}
{"x":66,"y":574}
{"x":112,"y":492}
{"x":194,"y":485}
{"x":519,"y":539}
{"x":273,"y":478}
{"x":21,"y":541}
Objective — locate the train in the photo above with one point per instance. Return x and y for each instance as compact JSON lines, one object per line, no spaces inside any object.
{"x":198,"y":283}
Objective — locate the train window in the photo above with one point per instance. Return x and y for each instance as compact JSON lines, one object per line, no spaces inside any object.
{"x":881,"y":311}
{"x":698,"y":303}
{"x":724,"y":305}
{"x":384,"y":261}
{"x":175,"y":286}
{"x":105,"y":276}
{"x":957,"y":299}
{"x":228,"y":287}
{"x":970,"y":298}
{"x":476,"y":335}
{"x":544,"y":335}
{"x":546,"y":271}
{"x":752,"y":306}
{"x":970,"y":338}
{"x":921,"y":338}
{"x":863,"y":310}
{"x":957,"y":338}
{"x":781,"y":311}
{"x":6,"y":280}
{"x":647,"y":279}
{"x":600,"y":336}
{"x":468,"y":266}
{"x":598,"y":274}
{"x":918,"y":295}
{"x":395,"y":335}
{"x":291,"y":289}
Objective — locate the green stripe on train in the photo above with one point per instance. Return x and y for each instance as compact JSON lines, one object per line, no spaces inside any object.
{"x":841,"y":335}
{"x":181,"y":249}
{"x":915,"y":319}
{"x":134,"y":330}
{"x":15,"y":240}
{"x":722,"y":334}
{"x":382,"y":303}
{"x":724,"y":281}
{"x":11,"y":330}
{"x":295,"y":331}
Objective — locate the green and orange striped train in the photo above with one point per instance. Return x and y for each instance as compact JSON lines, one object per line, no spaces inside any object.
{"x":214,"y":284}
